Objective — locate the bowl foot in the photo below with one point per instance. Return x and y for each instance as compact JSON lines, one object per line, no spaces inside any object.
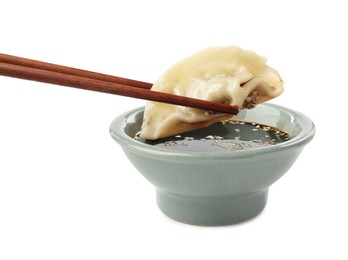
{"x":211,"y":211}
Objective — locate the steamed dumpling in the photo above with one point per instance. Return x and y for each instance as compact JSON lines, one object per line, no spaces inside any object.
{"x":226,"y":75}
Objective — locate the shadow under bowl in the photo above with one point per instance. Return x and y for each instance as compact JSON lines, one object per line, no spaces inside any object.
{"x":215,"y":188}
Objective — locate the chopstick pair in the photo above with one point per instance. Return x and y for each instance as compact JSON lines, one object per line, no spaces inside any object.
{"x":18,"y":67}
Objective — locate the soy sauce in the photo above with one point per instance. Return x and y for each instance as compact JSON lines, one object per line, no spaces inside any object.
{"x":228,"y":135}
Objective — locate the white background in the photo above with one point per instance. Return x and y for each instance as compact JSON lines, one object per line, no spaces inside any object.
{"x":67,"y":190}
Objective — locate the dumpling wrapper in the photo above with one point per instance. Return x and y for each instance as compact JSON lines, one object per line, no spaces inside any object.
{"x":228,"y":75}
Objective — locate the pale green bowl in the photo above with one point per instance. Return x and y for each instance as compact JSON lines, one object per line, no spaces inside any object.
{"x":215,"y":188}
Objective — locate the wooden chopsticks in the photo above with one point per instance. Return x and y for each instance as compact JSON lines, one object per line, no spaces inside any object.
{"x":71,"y":71}
{"x":28,"y":69}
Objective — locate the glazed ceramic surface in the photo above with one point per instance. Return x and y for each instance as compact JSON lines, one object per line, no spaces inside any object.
{"x":215,"y":188}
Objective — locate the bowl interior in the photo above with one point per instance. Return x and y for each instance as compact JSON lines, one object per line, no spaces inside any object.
{"x":298,"y":126}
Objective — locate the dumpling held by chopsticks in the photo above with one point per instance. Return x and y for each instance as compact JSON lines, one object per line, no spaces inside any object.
{"x":228,"y":75}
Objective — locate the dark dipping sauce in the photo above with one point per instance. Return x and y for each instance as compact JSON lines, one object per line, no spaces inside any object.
{"x":228,"y":135}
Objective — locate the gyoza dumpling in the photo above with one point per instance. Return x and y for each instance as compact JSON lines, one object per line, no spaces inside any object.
{"x":225,"y":75}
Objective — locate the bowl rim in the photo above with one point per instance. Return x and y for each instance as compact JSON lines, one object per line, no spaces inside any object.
{"x":118,"y":125}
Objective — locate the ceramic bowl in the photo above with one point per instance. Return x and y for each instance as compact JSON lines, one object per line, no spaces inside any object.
{"x":215,"y":188}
